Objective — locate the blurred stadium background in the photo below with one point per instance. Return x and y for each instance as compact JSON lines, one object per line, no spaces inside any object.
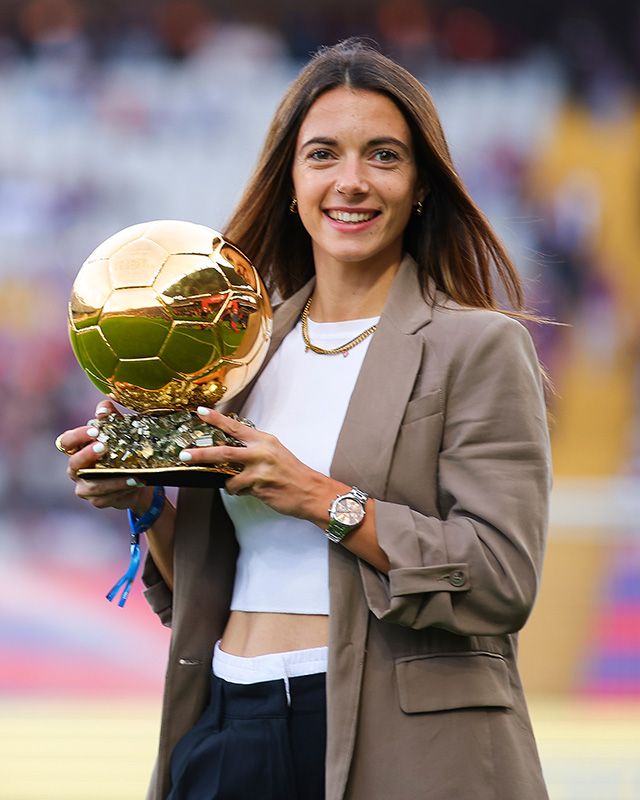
{"x":115,"y":113}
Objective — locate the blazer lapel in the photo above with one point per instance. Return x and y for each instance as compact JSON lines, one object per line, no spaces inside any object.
{"x":365,"y":446}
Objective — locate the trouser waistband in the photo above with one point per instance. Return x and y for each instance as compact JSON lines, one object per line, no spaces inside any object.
{"x":268,"y":667}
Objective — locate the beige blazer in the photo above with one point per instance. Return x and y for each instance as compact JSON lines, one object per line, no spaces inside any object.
{"x":447,"y":429}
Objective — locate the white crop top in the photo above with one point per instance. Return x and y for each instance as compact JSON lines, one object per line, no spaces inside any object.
{"x":302,"y":398}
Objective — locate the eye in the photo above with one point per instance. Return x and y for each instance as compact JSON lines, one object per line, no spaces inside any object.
{"x":319,"y":155}
{"x":385,"y":156}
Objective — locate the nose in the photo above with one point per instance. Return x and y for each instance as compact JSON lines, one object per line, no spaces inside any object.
{"x":350,"y":181}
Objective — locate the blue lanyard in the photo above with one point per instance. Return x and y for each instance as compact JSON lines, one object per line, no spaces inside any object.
{"x":137,"y":525}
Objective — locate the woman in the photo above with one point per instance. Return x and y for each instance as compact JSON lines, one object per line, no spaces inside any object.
{"x":433,"y":434}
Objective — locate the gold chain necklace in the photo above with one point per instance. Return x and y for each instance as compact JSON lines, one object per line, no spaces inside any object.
{"x":342,"y":350}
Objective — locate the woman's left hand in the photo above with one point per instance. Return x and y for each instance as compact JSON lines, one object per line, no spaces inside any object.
{"x":270,"y":471}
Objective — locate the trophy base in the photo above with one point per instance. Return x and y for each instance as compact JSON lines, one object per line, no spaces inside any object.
{"x":195,"y":477}
{"x":147,"y":447}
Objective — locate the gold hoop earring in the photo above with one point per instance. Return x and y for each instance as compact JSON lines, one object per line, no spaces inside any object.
{"x":419,"y":208}
{"x":293,"y":206}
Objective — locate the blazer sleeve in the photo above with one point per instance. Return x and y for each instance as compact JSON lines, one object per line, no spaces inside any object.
{"x":157,"y":593}
{"x":475,"y":570}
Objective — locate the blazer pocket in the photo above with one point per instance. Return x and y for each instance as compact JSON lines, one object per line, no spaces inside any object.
{"x":424,"y":406}
{"x":447,"y":681}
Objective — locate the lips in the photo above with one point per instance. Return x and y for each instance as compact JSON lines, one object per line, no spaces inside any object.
{"x":352,"y":217}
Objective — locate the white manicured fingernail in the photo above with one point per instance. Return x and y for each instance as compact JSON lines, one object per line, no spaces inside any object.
{"x":185,"y":455}
{"x":98,"y":447}
{"x":202,"y":410}
{"x":93,"y":432}
{"x":101,"y":410}
{"x":134,"y":482}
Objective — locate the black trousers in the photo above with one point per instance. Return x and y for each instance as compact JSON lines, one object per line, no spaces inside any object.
{"x":251,"y":744}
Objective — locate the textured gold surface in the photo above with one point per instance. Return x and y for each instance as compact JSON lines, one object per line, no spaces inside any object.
{"x":148,"y":446}
{"x":167,"y":315}
{"x":153,"y":441}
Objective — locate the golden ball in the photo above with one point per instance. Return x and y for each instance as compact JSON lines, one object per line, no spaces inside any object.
{"x":169,"y":315}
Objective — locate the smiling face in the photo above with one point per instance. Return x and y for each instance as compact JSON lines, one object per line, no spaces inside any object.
{"x":355,"y":177}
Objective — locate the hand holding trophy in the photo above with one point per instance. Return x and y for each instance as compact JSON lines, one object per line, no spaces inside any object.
{"x":166,"y":316}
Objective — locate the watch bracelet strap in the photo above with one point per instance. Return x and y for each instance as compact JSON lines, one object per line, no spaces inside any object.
{"x":359,"y":494}
{"x":336,"y":531}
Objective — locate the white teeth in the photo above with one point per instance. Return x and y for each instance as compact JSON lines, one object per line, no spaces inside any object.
{"x":351,"y":216}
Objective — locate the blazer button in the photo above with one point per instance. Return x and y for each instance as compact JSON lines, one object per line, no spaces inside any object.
{"x":457,"y":578}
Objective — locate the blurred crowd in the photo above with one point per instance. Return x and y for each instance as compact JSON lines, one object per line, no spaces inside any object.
{"x":115,"y":113}
{"x":587,"y":37}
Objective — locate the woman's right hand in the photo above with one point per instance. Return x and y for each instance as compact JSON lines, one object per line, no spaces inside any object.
{"x":84,"y":452}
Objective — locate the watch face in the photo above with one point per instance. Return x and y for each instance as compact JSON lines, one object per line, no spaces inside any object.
{"x":348,"y":511}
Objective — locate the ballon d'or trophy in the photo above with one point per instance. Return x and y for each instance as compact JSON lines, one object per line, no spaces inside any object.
{"x":164,"y":317}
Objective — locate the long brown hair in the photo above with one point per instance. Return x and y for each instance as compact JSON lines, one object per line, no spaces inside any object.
{"x":451,"y":241}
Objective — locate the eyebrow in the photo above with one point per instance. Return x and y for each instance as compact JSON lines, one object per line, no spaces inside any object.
{"x":378,"y":142}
